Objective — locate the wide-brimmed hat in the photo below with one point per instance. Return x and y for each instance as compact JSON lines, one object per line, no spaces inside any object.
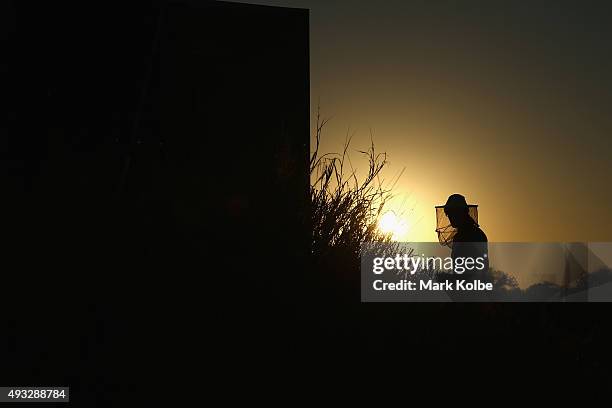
{"x":456,"y":201}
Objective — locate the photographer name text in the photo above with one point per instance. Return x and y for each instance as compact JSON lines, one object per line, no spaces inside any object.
{"x":430,"y":285}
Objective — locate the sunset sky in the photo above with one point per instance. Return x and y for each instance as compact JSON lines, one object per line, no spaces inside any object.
{"x":507,"y":103}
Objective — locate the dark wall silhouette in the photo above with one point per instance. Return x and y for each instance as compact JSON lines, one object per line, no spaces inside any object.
{"x":175,"y":163}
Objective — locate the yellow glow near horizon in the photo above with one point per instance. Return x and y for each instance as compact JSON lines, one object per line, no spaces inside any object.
{"x":390,"y":223}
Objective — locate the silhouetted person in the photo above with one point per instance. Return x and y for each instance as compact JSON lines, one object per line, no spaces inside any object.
{"x":469,"y":240}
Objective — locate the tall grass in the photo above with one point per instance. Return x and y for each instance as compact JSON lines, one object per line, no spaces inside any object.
{"x":346,"y":207}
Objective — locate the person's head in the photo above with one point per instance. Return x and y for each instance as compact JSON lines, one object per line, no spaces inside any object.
{"x":457,"y":211}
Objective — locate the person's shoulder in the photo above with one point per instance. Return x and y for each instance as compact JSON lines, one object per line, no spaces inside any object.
{"x":470,"y":234}
{"x":475,"y":234}
{"x":482,"y":237}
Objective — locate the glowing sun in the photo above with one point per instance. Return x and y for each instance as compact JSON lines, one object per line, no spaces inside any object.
{"x":390,"y":223}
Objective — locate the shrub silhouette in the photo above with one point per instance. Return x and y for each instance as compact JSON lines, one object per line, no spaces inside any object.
{"x":345,"y":208}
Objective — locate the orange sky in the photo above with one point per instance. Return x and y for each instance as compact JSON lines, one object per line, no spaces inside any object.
{"x":509,"y":106}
